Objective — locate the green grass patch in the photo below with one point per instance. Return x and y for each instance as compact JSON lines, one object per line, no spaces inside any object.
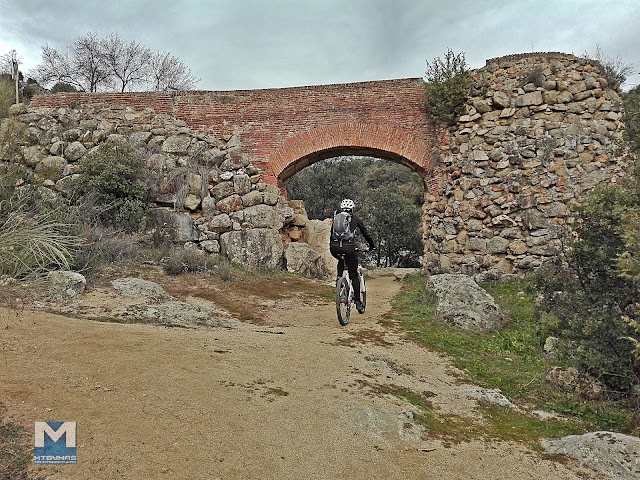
{"x":510,"y":360}
{"x":506,"y":424}
{"x":448,"y":428}
{"x":494,"y":421}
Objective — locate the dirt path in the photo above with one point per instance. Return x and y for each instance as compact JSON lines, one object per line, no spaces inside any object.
{"x":290,"y":399}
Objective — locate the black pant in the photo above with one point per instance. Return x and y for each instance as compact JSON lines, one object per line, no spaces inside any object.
{"x":351,"y":257}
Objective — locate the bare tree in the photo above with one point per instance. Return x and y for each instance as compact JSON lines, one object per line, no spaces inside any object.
{"x":84,"y":67}
{"x":55,"y":67}
{"x":95,"y":64}
{"x":170,"y":73}
{"x":89,"y":63}
{"x":128,"y":63}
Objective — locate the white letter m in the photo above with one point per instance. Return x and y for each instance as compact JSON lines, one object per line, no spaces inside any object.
{"x":43,"y":427}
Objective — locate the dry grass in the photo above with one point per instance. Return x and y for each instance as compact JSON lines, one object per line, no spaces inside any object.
{"x":31,"y":245}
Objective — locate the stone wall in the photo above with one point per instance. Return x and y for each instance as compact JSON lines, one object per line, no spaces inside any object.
{"x":277,"y":127}
{"x":538,"y":132}
{"x":204,"y":192}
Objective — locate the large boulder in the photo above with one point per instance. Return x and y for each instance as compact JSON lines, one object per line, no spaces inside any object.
{"x":301,"y":258}
{"x":263,"y":216}
{"x":137,"y":287}
{"x":317,"y":236}
{"x":149,"y":302}
{"x":610,"y":453}
{"x":75,"y":151}
{"x":254,"y":247}
{"x":178,"y":227}
{"x":64,"y":284}
{"x":464,"y":304}
{"x":176,"y":144}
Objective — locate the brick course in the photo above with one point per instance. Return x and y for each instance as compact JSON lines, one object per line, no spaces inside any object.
{"x":287,"y":129}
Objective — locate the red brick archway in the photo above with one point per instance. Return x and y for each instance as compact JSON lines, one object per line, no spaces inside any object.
{"x":284,"y":130}
{"x":380,"y":141}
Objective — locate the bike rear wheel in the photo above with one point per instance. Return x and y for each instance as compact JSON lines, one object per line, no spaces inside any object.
{"x":343,"y":302}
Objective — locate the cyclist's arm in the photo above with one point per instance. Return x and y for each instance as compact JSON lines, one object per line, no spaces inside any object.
{"x":365,"y":234}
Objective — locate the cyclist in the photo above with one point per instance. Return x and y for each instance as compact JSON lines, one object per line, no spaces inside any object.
{"x":345,"y":245}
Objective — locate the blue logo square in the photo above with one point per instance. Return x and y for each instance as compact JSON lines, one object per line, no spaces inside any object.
{"x":54,"y":442}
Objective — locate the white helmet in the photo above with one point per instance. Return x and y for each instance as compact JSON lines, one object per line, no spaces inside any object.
{"x":347,"y":204}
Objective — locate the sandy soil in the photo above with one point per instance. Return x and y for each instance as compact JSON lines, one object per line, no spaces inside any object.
{"x":291,"y":398}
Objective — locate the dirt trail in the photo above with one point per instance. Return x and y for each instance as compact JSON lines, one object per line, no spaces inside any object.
{"x":290,"y":399}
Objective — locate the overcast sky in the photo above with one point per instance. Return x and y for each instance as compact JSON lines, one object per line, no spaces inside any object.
{"x":247,"y":44}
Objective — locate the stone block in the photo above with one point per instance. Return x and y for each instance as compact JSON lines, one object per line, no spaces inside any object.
{"x":241,"y":184}
{"x":476,"y":244}
{"x":497,"y":245}
{"x":176,"y":144}
{"x":230,"y":204}
{"x":531,"y":98}
{"x":256,"y":247}
{"x":254,"y":197}
{"x":263,"y":216}
{"x":220,"y":223}
{"x":222,"y":190}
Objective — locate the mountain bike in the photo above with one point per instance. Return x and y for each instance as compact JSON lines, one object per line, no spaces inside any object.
{"x":344,"y":293}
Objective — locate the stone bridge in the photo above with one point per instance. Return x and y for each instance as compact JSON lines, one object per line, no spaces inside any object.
{"x":287,"y":129}
{"x":538,"y":131}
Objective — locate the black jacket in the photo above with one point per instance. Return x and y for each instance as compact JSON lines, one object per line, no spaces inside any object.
{"x":356,"y":223}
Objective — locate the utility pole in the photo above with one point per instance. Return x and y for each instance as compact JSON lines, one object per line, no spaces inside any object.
{"x":14,"y":64}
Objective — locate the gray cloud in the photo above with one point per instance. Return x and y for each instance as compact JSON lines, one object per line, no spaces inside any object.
{"x":237,"y":44}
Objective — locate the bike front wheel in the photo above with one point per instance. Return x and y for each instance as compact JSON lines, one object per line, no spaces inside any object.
{"x":343,"y":302}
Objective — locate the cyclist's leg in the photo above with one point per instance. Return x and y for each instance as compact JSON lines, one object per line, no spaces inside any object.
{"x":352,"y":267}
{"x":336,"y":251}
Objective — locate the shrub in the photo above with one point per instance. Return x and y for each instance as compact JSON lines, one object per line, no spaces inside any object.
{"x":111,"y":180}
{"x":631,"y":119}
{"x":591,"y":296}
{"x":616,"y":70}
{"x":7,"y":96}
{"x":594,"y":293}
{"x":448,"y":84}
{"x":104,"y":245}
{"x":535,"y":76}
{"x":12,"y":136}
{"x":188,"y":260}
{"x":63,"y":87}
{"x":34,"y":239}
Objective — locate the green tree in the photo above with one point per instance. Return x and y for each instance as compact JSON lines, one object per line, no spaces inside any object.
{"x":322,"y":185}
{"x":448,"y":82}
{"x":396,"y":222}
{"x":388,"y":198}
{"x":111,"y":179}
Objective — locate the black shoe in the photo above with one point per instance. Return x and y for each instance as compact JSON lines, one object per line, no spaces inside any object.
{"x":359,"y":306}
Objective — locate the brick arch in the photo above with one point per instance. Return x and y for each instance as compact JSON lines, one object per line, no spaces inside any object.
{"x":381,"y":141}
